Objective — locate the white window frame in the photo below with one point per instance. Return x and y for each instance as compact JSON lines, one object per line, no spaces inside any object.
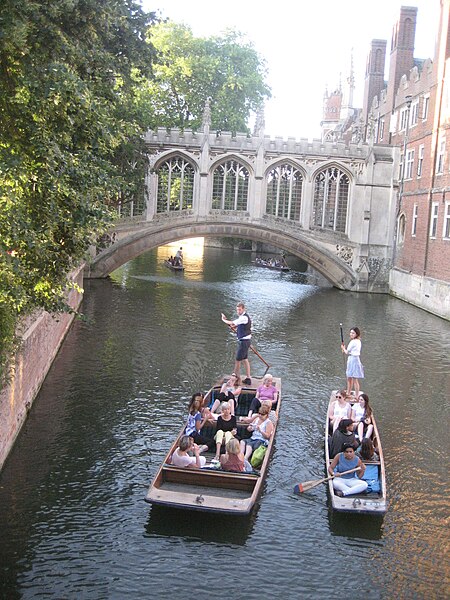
{"x":409,"y":164}
{"x":434,"y":219}
{"x":420,"y":160}
{"x":440,"y":158}
{"x":425,"y":107}
{"x":446,"y":226}
{"x":403,"y":118}
{"x":414,"y":220}
{"x":381,"y":130}
{"x":414,"y":113}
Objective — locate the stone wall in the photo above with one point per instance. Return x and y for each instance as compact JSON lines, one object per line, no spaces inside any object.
{"x":41,"y":342}
{"x":432,"y":295}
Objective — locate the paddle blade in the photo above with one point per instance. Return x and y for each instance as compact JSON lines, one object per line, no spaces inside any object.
{"x":307,"y":485}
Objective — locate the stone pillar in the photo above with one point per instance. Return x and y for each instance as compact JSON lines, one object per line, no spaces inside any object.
{"x":307,"y":204}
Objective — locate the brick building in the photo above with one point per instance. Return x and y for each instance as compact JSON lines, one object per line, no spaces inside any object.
{"x":412,"y":111}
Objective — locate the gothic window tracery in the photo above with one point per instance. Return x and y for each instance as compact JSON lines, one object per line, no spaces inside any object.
{"x":331,"y":194}
{"x":284,"y":192}
{"x":175,"y":185}
{"x":230,"y":186}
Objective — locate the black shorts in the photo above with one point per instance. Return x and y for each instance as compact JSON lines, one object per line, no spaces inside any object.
{"x":242,"y":351}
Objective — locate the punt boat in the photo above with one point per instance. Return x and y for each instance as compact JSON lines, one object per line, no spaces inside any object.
{"x":211,"y":489}
{"x":169,"y":265}
{"x":266,"y":265}
{"x":369,"y":502}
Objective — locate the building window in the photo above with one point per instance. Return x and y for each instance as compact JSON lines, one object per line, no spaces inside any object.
{"x":230,"y":186}
{"x":331,"y":194}
{"x":409,"y":164}
{"x":400,"y":167}
{"x":420,"y":160}
{"x":434,"y":219}
{"x":401,"y":228}
{"x":403,"y":118}
{"x":381,"y":130}
{"x":446,"y":230}
{"x":414,"y":113}
{"x":425,"y":108}
{"x":440,"y":158}
{"x":175,"y":185}
{"x":414,"y":220}
{"x":284,"y":192}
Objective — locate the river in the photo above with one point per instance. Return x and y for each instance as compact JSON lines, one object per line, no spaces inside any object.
{"x":73,"y":522}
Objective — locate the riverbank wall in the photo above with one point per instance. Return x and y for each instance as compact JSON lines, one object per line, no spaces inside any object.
{"x":41,"y":341}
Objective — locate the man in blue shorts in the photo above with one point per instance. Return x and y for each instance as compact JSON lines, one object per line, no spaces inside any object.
{"x":243,"y":327}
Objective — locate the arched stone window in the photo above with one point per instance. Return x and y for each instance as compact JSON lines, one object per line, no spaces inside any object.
{"x":175,"y":185}
{"x":331,"y":192}
{"x":230,"y":186}
{"x":284,"y":192}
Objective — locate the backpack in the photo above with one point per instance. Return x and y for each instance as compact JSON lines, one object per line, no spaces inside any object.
{"x":258,"y":456}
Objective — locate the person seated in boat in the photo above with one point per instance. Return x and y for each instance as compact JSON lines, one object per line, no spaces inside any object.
{"x":339,"y":409}
{"x":272,"y":414}
{"x":350,"y":483}
{"x":170,"y":260}
{"x":343,"y":435}
{"x":367,"y":451}
{"x":262,"y":430}
{"x":226,"y":428}
{"x":182,"y":458}
{"x":196,"y":421}
{"x":229,"y":392}
{"x":362,"y":417}
{"x":233,"y":459}
{"x":266,"y":391}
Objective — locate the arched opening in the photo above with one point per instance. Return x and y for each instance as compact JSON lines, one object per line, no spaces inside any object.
{"x":331,"y":195}
{"x":175,"y":190}
{"x":284,"y":192}
{"x":230,"y":186}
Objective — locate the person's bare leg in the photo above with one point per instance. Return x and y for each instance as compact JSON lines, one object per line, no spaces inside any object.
{"x":356,"y":384}
{"x":349,"y":386}
{"x":237,"y":367}
{"x":247,"y":367}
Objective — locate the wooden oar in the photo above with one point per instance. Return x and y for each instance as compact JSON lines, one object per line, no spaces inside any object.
{"x":308,"y":485}
{"x":342,"y":341}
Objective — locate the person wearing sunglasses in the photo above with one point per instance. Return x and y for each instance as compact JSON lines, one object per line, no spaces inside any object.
{"x":350,"y":483}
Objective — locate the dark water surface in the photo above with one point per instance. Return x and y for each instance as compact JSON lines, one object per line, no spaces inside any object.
{"x":73,"y":523}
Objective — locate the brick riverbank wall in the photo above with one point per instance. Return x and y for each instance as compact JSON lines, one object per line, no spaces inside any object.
{"x":41,"y":342}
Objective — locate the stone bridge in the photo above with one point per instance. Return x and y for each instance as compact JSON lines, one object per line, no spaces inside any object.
{"x":331,"y":204}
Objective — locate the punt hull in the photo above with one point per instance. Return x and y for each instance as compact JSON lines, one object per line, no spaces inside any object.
{"x":208,"y":489}
{"x":373,"y":504}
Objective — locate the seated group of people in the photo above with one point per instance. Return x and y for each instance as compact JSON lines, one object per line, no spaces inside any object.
{"x":350,"y":444}
{"x":260,"y":420}
{"x":271,"y":262}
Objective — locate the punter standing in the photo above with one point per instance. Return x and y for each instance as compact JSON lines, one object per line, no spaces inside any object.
{"x":243,"y":327}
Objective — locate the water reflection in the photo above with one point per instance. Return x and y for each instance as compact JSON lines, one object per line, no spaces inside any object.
{"x":356,"y":527}
{"x":205,"y":527}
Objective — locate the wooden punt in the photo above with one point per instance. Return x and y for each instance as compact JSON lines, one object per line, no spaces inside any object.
{"x":366,"y":503}
{"x":173,"y":267}
{"x":266,"y":265}
{"x":210,"y":489}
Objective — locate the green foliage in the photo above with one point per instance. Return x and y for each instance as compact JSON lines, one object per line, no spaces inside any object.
{"x":225,"y":69}
{"x":68,"y":142}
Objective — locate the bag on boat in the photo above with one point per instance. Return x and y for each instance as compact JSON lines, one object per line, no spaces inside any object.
{"x":258,"y":456}
{"x":372,"y":479}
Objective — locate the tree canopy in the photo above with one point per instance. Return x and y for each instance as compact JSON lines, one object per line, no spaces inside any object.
{"x":227,"y":69}
{"x":67,"y":77}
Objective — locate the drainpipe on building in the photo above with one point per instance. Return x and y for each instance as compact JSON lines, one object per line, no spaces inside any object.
{"x":433,"y":166}
{"x":408,"y":101}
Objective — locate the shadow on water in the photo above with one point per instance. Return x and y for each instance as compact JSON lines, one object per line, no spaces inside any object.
{"x":200,"y":526}
{"x":364,"y":527}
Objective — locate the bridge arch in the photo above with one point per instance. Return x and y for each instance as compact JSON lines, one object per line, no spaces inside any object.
{"x":336,"y":271}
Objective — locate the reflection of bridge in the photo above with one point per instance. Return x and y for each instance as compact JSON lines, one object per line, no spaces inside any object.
{"x":331,"y":205}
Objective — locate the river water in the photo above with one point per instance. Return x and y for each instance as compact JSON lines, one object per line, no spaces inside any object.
{"x":73,"y":522}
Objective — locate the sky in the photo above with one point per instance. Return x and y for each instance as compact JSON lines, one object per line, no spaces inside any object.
{"x":307,"y":45}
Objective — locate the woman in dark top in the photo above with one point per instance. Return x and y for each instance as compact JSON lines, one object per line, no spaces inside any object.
{"x":343,"y":435}
{"x":226,"y":429}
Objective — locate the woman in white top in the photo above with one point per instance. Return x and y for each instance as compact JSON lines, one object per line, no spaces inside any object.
{"x":181,"y":458}
{"x":340,"y":409}
{"x":355,"y":370}
{"x":229,"y":392}
{"x":362,"y":417}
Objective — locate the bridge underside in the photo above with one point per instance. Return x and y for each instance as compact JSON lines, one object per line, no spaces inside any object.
{"x":151,"y":235}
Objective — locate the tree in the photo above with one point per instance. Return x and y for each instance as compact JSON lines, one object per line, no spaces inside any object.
{"x":226,"y":69}
{"x":68,"y":73}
